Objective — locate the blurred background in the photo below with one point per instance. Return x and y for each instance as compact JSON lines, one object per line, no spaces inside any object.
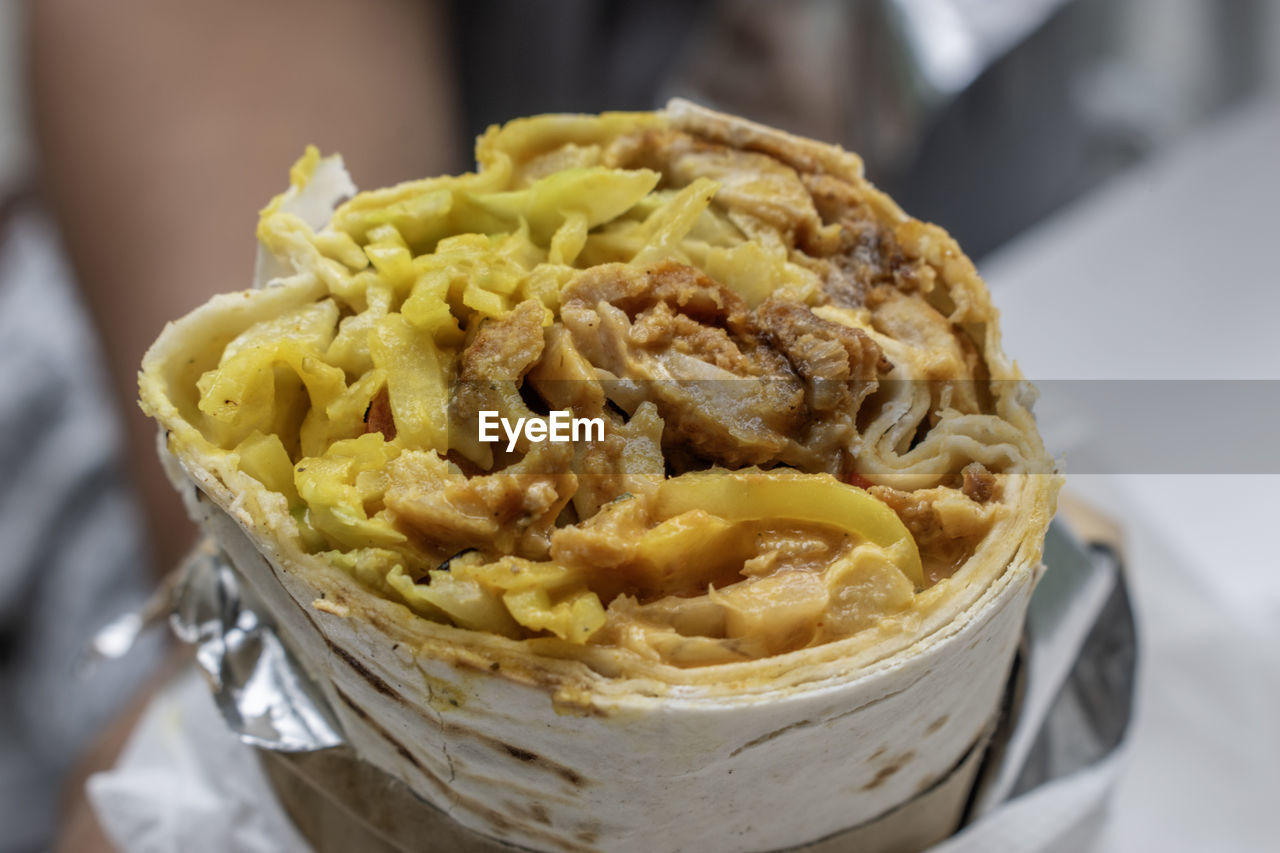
{"x":138,"y":139}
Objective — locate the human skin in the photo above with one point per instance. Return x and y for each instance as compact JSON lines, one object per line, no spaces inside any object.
{"x":163,"y":127}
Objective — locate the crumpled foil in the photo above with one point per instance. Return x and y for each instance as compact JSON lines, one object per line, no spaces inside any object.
{"x":1068,"y":705}
{"x":261,"y":691}
{"x":1070,"y":697}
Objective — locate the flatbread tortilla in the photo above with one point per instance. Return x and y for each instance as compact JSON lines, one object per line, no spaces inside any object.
{"x":817,"y":511}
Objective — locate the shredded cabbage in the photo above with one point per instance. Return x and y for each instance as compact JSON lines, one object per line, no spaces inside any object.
{"x":409,"y":274}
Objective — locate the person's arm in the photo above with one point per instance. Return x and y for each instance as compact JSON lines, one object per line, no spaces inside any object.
{"x":164,"y":127}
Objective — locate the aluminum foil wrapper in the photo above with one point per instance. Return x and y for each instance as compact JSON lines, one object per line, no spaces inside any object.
{"x":263,"y":694}
{"x":1068,"y":705}
{"x":1070,"y":696}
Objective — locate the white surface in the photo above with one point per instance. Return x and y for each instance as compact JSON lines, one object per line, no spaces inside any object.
{"x":185,"y":783}
{"x":1171,"y":273}
{"x":1168,"y":273}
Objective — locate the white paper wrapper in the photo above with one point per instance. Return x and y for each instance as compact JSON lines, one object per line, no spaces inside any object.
{"x":184,"y":783}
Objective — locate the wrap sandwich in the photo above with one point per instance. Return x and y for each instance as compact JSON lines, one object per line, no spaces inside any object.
{"x":660,"y":484}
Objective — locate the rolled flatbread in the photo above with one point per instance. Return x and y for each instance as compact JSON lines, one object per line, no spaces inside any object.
{"x":661,"y":468}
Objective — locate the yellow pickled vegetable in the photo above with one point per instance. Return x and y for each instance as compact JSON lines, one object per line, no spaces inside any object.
{"x":753,"y":495}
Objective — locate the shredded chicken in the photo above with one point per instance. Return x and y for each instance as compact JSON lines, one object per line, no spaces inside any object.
{"x":506,"y":348}
{"x":979,"y":484}
{"x":945,"y":523}
{"x":859,"y":253}
{"x":511,"y":511}
{"x":564,"y":379}
{"x":752,"y":184}
{"x":840,"y":363}
{"x":490,"y":371}
{"x":673,"y":336}
{"x":628,"y":461}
